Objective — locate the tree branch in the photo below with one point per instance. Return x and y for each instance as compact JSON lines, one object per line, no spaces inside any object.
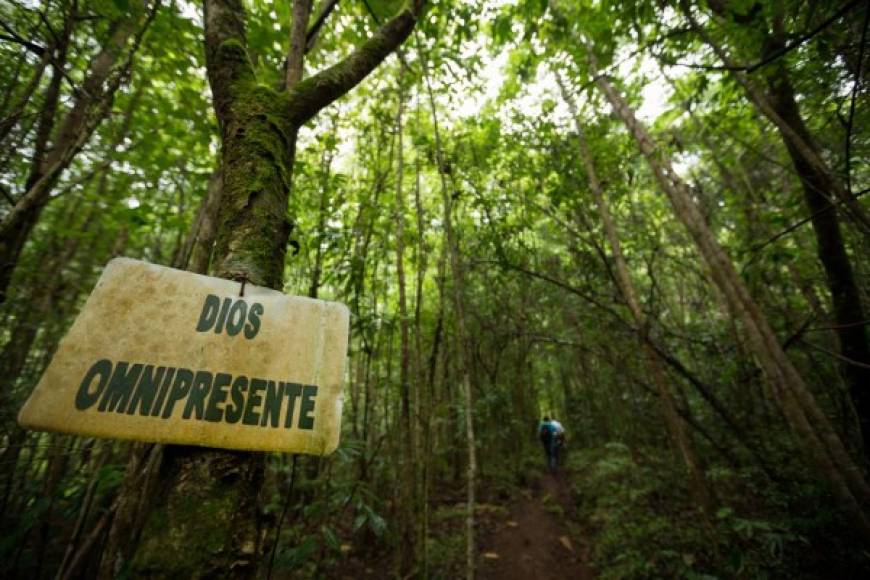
{"x":835,"y":355}
{"x":15,"y":37}
{"x":796,"y":225}
{"x":855,"y":86}
{"x":777,"y":54}
{"x":326,"y":8}
{"x":371,"y":12}
{"x":314,"y":93}
{"x":565,"y":286}
{"x":225,"y":52}
{"x":298,"y":36}
{"x":804,"y":37}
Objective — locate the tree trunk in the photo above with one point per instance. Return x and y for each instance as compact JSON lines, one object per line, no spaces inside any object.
{"x":298,"y":31}
{"x":205,"y":516}
{"x":848,"y":312}
{"x":60,"y":450}
{"x":424,"y":393}
{"x":408,"y":495}
{"x":698,"y":484}
{"x":198,"y":256}
{"x":822,"y":444}
{"x":98,"y":460}
{"x":821,"y":187}
{"x":91,"y":106}
{"x":464,"y":348}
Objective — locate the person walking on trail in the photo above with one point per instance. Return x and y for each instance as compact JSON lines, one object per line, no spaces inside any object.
{"x":552,"y":436}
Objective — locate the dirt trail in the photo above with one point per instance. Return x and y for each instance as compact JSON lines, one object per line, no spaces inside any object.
{"x":531,"y":542}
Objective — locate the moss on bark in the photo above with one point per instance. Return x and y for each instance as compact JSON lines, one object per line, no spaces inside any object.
{"x":259,"y":144}
{"x":194,"y":529}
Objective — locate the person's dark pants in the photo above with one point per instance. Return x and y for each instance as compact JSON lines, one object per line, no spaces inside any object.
{"x":551,"y":449}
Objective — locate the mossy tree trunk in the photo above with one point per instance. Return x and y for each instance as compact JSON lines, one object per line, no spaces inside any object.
{"x":205,"y":517}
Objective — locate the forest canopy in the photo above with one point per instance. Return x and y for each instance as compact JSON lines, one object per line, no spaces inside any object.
{"x":646,"y":219}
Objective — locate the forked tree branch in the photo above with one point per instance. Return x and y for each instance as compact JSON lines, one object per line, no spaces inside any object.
{"x":314,"y":93}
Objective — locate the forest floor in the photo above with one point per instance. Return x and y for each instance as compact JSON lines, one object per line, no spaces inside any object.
{"x":531,"y":532}
{"x":531,"y":540}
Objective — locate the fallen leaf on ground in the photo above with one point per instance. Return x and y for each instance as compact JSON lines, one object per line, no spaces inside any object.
{"x":487,"y":507}
{"x":566,"y":541}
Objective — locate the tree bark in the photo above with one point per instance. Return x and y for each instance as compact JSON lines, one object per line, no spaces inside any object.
{"x":97,"y":462}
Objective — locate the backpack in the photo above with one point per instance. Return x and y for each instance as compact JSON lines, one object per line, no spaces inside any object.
{"x":547,"y":432}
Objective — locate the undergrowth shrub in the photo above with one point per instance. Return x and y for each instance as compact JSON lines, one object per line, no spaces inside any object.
{"x":642,"y":523}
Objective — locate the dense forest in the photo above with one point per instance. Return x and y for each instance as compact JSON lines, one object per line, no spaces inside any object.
{"x":646,"y":219}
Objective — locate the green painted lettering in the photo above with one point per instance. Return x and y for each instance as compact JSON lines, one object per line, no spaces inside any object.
{"x":180,"y":389}
{"x":233,"y":413}
{"x":117,"y":394}
{"x":253,"y":325}
{"x":306,"y":421}
{"x":222,"y":317}
{"x":254,"y":399}
{"x":272,"y":407}
{"x":292,"y":391}
{"x":146,"y":390}
{"x":236,"y":319}
{"x":85,"y":399}
{"x":213,"y":413}
{"x":209,"y":313}
{"x":198,"y":391}
{"x":164,"y":388}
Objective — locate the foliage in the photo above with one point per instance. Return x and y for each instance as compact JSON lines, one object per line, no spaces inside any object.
{"x":486,"y":128}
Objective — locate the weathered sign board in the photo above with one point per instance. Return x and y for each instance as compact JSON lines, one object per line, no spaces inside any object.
{"x":167,"y":356}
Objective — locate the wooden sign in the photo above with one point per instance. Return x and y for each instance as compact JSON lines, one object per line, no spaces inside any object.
{"x":167,"y":356}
